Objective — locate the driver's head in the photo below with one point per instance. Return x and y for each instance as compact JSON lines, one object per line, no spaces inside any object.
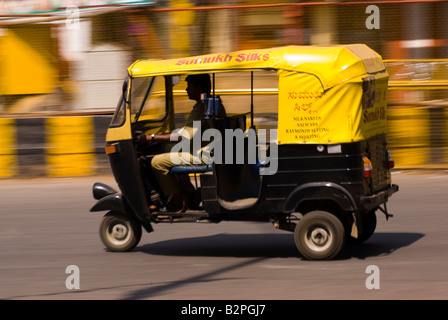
{"x":198,"y":84}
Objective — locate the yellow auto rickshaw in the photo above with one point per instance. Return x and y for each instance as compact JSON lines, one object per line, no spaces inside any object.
{"x":302,"y":146}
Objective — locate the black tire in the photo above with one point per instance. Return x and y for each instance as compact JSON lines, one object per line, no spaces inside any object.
{"x":120,"y":233}
{"x":319,"y":235}
{"x":368,"y":228}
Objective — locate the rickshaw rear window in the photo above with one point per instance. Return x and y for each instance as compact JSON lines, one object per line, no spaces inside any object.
{"x":239,"y":90}
{"x":234,"y":89}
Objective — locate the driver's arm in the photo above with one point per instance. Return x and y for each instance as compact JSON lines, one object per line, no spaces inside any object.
{"x":163,"y":138}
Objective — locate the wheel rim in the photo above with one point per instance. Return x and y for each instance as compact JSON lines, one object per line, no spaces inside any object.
{"x":118,"y":233}
{"x":318,"y":238}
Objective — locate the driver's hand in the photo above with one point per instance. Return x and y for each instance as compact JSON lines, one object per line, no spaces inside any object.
{"x":141,"y":139}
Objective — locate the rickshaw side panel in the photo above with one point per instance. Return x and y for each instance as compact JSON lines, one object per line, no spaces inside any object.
{"x":313,"y":165}
{"x":313,"y":172}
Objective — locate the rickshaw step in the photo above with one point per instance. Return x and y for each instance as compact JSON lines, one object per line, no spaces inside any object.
{"x":187,"y":216}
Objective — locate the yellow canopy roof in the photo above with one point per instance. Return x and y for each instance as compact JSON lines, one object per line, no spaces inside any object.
{"x":330,"y":64}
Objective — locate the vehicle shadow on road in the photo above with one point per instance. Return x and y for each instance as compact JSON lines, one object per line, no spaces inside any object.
{"x":272,"y":246}
{"x":227,"y":245}
{"x":256,"y":247}
{"x":380,"y":244}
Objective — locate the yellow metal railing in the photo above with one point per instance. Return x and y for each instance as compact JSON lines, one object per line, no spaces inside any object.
{"x":418,"y":85}
{"x":406,"y":74}
{"x":418,"y":116}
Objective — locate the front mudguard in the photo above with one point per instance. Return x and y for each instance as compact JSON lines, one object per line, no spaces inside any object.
{"x":111,"y":200}
{"x":108,"y":198}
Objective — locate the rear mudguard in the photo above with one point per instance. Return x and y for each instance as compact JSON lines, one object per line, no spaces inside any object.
{"x":325,"y":191}
{"x":113,"y":201}
{"x":320,"y":191}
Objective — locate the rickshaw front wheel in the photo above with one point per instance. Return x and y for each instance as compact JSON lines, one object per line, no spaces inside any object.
{"x":319,"y":235}
{"x":119,"y":233}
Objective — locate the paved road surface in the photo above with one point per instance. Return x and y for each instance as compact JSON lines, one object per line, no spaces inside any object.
{"x":46,"y":227}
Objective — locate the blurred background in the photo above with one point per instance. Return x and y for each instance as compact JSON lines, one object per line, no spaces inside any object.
{"x":62,"y":64}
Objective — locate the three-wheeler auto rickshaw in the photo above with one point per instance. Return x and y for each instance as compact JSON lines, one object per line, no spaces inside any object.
{"x":303,"y":145}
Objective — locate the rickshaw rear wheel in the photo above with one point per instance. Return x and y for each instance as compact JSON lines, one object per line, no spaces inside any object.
{"x":119,"y":232}
{"x":319,"y":235}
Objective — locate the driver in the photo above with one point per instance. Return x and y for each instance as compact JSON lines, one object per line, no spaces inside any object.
{"x":178,"y":195}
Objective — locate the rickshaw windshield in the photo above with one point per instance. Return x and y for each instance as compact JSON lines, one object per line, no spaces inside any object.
{"x":148,"y":98}
{"x":119,"y":115}
{"x":120,"y":111}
